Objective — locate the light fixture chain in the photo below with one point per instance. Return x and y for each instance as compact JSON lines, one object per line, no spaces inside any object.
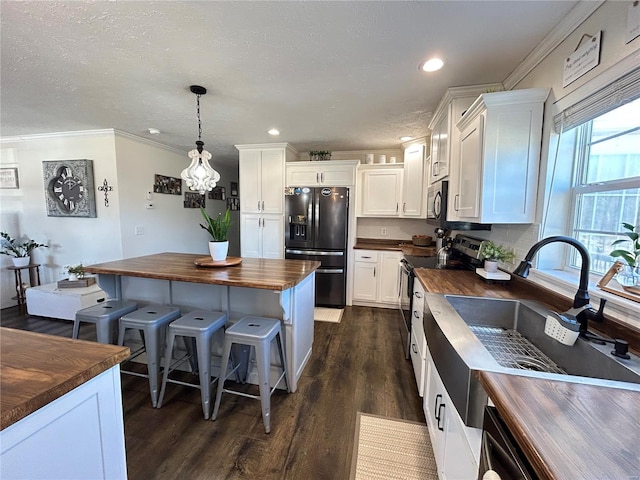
{"x":199,"y":122}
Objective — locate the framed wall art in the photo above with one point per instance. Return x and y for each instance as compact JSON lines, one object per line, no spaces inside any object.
{"x":193,"y":200}
{"x":168,"y":185}
{"x":234,"y":189}
{"x":218,"y":193}
{"x":233,"y":203}
{"x":69,"y":188}
{"x":9,"y":178}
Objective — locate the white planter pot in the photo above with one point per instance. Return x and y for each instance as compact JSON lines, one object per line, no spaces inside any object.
{"x":218,"y":250}
{"x":490,"y":266}
{"x":73,"y":277}
{"x":21,"y":261}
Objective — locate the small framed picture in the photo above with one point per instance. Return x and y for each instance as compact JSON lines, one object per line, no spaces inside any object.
{"x":168,"y":185}
{"x":193,"y":200}
{"x":233,"y":203}
{"x":234,"y":189}
{"x":218,"y":193}
{"x":9,"y":178}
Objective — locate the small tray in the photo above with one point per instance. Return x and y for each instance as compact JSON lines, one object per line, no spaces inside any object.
{"x":80,"y":283}
{"x":208,"y":262}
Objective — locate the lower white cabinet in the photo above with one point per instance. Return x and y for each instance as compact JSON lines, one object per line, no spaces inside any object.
{"x":261,"y":235}
{"x":418,"y":347}
{"x":453,"y":443}
{"x":376,"y":277}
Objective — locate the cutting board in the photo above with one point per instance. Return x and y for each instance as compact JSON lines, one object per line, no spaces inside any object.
{"x":208,"y":262}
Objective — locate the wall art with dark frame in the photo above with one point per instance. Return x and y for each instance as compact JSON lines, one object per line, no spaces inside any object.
{"x":69,"y":188}
{"x":233,"y":203}
{"x":168,"y":185}
{"x":234,"y":189}
{"x":193,"y":200}
{"x":218,"y":193}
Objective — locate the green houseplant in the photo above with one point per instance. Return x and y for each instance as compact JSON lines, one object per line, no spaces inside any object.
{"x":75,"y":271}
{"x":493,"y":253}
{"x":218,"y":228}
{"x":630,"y":275}
{"x":20,"y":252}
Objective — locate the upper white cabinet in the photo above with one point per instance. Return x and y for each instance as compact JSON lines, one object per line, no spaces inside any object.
{"x":499,"y":154}
{"x":261,"y":175}
{"x":336,"y":173}
{"x":444,"y":135}
{"x":413,"y":197}
{"x":380,"y":191}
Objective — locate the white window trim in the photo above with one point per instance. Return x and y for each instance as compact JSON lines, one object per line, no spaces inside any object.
{"x":565,"y":283}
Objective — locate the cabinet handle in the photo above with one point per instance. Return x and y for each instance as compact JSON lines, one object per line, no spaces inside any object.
{"x":404,"y":207}
{"x":413,"y":347}
{"x":322,"y":177}
{"x":365,"y":256}
{"x":417,"y":294}
{"x":455,"y":202}
{"x":374,"y":271}
{"x":435,"y":411}
{"x":416,"y":314}
{"x":397,"y":207}
{"x":258,"y":205}
{"x":435,"y":168}
{"x":441,"y":417}
{"x":263,"y":205}
{"x":317,"y":177}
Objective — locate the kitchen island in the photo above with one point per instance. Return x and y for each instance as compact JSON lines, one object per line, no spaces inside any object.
{"x":567,"y":430}
{"x":283,"y":289}
{"x":61,"y":407}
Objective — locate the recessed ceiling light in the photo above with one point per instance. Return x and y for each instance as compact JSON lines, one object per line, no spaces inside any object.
{"x":432,"y":65}
{"x":273,"y":131}
{"x":405,"y":138}
{"x":154,"y":131}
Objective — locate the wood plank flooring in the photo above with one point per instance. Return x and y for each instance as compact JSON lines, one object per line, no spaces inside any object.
{"x":356,"y":365}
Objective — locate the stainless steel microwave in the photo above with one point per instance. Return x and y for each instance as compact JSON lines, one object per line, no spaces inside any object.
{"x":437,"y":201}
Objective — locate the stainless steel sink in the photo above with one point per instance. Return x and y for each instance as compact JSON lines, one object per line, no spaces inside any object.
{"x":467,"y":334}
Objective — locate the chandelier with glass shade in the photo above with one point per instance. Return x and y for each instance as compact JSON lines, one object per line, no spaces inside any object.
{"x":199,"y":175}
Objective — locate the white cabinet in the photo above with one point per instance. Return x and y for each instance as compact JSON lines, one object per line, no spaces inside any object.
{"x":444,"y":135}
{"x":499,"y":154}
{"x":454,"y":456}
{"x":413,"y":197}
{"x":380,"y":191}
{"x":262,"y":236}
{"x":376,"y":277}
{"x":418,"y":347}
{"x":336,"y":173}
{"x":261,"y":176}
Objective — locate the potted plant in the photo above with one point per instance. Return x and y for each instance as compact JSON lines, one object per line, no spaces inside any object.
{"x":492,"y":254}
{"x":218,"y":228}
{"x":319,"y":155}
{"x":20,"y":252}
{"x":629,"y":276}
{"x":75,"y":272}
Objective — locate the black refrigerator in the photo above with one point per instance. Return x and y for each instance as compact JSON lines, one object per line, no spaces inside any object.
{"x":316,"y":220}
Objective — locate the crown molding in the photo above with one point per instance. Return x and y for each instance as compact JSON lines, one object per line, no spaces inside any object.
{"x":153,"y":143}
{"x":48,"y":136}
{"x":560,"y":32}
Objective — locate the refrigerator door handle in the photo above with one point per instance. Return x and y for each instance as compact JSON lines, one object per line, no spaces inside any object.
{"x":316,"y":206}
{"x":314,"y":252}
{"x":330,"y":270}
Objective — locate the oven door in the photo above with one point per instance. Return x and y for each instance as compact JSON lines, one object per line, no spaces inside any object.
{"x":499,"y":452}
{"x":405,"y":304}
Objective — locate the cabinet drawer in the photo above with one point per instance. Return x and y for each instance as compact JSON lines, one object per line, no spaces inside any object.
{"x":368,"y":256}
{"x":418,"y":360}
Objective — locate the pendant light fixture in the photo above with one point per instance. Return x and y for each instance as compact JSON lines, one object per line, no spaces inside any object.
{"x":199,"y":175}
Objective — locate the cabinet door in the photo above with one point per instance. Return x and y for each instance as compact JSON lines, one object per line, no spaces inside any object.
{"x":443,"y":146}
{"x":381,"y":192}
{"x":250,"y":180}
{"x":337,"y":175}
{"x":413,"y":198}
{"x":467,"y":197}
{"x":459,"y":462}
{"x":390,"y":277}
{"x":305,"y":175}
{"x":250,"y":235}
{"x":417,"y":360}
{"x":365,"y":282}
{"x":272,"y":181}
{"x":436,"y":416}
{"x":272,"y":236}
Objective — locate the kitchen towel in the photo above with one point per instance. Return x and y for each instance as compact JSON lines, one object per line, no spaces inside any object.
{"x":391,"y":449}
{"x":322,"y":314}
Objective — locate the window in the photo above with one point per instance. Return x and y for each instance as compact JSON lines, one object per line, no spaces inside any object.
{"x":606,"y":189}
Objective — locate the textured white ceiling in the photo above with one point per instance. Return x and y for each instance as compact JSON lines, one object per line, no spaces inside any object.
{"x":328,"y":75}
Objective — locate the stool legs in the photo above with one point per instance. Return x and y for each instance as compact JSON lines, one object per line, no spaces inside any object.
{"x":153,"y":345}
{"x":224,"y":365}
{"x":203,"y":347}
{"x":167,"y":364}
{"x":263,"y":358}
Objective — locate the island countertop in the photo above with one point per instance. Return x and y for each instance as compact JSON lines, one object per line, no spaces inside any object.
{"x":567,"y":430}
{"x":36,"y":369}
{"x":262,"y":273}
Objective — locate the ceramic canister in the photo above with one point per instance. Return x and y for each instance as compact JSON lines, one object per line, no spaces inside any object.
{"x":382,"y":158}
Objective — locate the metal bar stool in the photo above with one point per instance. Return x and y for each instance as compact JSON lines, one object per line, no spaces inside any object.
{"x":254,"y":332}
{"x":199,"y":325}
{"x":105,"y":316}
{"x":152,"y":322}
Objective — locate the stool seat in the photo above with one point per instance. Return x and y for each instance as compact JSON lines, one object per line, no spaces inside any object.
{"x":105,"y":315}
{"x":199,"y":325}
{"x":151,"y":321}
{"x":256,"y":333}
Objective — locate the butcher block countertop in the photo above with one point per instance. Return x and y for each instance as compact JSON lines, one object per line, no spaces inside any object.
{"x":262,"y":273}
{"x":404,"y":246}
{"x":36,"y":369}
{"x":567,"y":430}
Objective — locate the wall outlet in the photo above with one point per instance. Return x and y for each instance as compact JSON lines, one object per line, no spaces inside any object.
{"x":383,"y":231}
{"x":149,"y":196}
{"x":139,"y":230}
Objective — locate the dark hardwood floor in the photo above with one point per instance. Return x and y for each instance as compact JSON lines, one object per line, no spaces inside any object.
{"x":357,"y":365}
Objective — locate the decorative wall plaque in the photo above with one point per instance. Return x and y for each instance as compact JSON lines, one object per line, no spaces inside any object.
{"x":69,"y":188}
